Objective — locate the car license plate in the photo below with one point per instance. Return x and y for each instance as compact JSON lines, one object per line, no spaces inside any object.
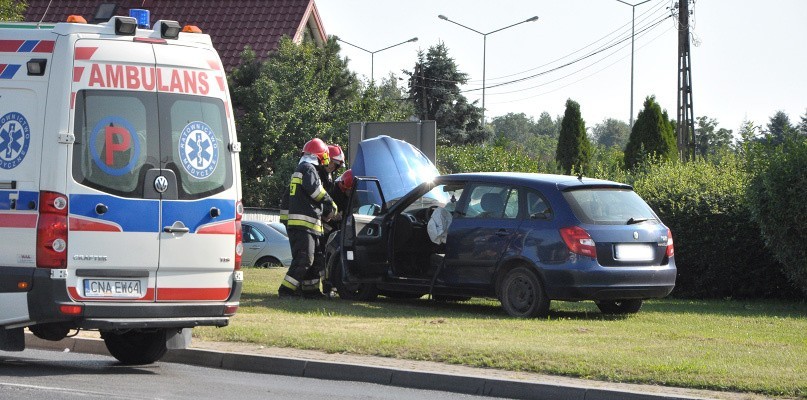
{"x":634,"y":252}
{"x":117,"y":288}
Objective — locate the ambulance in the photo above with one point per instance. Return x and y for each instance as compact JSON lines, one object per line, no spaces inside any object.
{"x":120,"y":196}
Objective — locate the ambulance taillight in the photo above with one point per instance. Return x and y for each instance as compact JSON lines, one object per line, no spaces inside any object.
{"x":51,"y":231}
{"x":239,"y":234}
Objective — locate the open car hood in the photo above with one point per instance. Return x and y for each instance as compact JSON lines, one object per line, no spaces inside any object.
{"x":399,"y":166}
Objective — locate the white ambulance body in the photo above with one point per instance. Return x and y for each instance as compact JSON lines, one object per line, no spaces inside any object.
{"x":119,"y":186}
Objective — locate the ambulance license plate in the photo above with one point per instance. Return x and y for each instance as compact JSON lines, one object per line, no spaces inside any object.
{"x":118,"y":288}
{"x":634,"y":252}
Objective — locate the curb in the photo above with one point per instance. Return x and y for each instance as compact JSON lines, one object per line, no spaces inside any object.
{"x":474,"y":385}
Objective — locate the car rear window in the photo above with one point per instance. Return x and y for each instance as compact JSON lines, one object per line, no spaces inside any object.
{"x":609,"y":206}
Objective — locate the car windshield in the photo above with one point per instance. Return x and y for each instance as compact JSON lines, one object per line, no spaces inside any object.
{"x":399,"y":167}
{"x":608,"y":206}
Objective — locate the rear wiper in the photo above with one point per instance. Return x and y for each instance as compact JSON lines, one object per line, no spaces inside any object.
{"x":632,"y":220}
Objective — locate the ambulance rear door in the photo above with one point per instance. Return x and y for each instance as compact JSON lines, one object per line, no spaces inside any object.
{"x":114,"y":210}
{"x":198,"y":226}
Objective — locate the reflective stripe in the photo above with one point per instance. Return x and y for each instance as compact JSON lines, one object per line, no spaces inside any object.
{"x":284,"y":215}
{"x":298,"y":175}
{"x":311,"y":282}
{"x":292,"y":281}
{"x":306,"y":218}
{"x":319,"y":194}
{"x":297,"y":181}
{"x":313,"y":227}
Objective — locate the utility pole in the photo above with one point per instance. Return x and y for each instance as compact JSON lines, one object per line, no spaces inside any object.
{"x":686,"y":117}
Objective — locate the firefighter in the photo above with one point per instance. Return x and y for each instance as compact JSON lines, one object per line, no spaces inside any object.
{"x":326,"y":173}
{"x":307,"y":206}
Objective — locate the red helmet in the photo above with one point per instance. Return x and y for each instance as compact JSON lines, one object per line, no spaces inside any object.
{"x":318,"y":148}
{"x":336,"y":154}
{"x":345,"y":181}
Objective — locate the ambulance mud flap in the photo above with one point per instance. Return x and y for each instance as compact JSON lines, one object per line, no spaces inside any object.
{"x":12,"y":339}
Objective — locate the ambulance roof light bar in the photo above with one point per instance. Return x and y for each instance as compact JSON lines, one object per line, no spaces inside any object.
{"x":168,"y":29}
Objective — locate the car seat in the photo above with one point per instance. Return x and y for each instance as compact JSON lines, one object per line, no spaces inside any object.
{"x":492,"y":205}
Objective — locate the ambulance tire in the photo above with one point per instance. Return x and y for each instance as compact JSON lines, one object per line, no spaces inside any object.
{"x":136,"y":347}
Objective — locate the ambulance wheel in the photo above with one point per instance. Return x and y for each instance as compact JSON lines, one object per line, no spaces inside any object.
{"x":135,"y":347}
{"x":351,"y":291}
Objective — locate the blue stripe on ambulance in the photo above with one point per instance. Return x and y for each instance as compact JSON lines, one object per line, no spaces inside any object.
{"x":197,"y":212}
{"x":24,"y":200}
{"x":27,"y":46}
{"x":128,"y":213}
{"x":9,"y":71}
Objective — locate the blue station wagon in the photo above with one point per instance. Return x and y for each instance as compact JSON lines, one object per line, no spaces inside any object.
{"x":523,"y":238}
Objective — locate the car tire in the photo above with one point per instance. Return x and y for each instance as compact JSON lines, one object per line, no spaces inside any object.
{"x":522,"y":294}
{"x":351,"y":291}
{"x":629,"y":306}
{"x":266,"y":262}
{"x":136,"y":347}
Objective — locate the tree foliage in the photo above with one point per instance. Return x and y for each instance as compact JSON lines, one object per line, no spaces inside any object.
{"x":574,"y":148}
{"x":652,"y":136}
{"x":12,"y":10}
{"x":612,"y":133}
{"x":780,"y":129}
{"x":434,"y":89}
{"x":709,"y":140}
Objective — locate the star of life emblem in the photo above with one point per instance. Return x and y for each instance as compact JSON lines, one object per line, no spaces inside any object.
{"x":15,"y":135}
{"x":198,"y":150}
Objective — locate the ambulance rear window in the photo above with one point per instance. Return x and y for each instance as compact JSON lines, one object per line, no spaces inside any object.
{"x":122,"y":134}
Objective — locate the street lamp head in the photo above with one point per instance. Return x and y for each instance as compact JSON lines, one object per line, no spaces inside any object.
{"x":535,"y":18}
{"x":441,"y":16}
{"x":414,"y":39}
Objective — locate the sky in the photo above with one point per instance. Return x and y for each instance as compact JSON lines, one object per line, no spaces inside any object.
{"x":748,"y":58}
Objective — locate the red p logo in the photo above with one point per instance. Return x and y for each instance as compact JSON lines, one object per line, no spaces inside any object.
{"x":122,"y":144}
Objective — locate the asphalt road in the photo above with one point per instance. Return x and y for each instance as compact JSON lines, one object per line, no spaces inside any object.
{"x":45,"y":374}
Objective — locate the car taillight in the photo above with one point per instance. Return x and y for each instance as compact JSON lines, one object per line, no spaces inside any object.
{"x":670,"y":249}
{"x":239,"y":235}
{"x":51,"y":231}
{"x":579,"y":241}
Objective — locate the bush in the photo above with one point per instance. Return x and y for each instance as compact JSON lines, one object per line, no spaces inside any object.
{"x":718,"y":248}
{"x":457,"y":159}
{"x":776,"y":195}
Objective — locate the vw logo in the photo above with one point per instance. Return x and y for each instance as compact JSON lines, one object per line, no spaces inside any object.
{"x":635,"y":234}
{"x":161,"y":184}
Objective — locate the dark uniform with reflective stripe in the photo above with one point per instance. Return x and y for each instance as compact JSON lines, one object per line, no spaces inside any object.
{"x":306,"y":201}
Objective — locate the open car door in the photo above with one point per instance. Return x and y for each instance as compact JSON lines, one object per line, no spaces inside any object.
{"x":365,"y":233}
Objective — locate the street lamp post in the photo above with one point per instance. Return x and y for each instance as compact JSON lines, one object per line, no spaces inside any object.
{"x":484,"y":49}
{"x":632,"y":37}
{"x":372,"y":53}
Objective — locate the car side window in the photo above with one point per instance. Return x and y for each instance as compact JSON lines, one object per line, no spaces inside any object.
{"x":511,"y":204}
{"x":251,"y":234}
{"x":492,"y":201}
{"x":537,"y":206}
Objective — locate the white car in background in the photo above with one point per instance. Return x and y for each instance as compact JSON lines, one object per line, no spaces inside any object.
{"x":266,"y":244}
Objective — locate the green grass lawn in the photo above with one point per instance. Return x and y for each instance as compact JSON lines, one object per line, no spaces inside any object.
{"x":732,"y":345}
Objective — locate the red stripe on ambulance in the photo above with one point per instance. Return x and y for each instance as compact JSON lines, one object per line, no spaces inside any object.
{"x":18,"y":220}
{"x":85,"y":53}
{"x":171,"y":294}
{"x":224,"y":228}
{"x":83,"y":225}
{"x":44,"y":46}
{"x":77,"y":72}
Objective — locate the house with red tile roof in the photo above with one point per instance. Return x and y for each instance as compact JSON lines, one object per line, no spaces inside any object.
{"x":231,"y":24}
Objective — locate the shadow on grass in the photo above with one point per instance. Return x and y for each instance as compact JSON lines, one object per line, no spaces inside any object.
{"x":385,"y":307}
